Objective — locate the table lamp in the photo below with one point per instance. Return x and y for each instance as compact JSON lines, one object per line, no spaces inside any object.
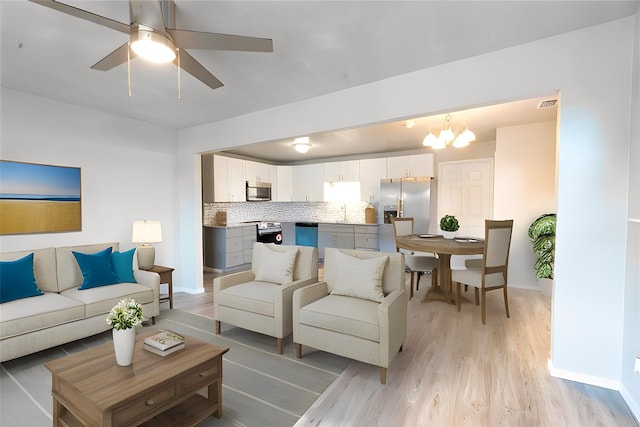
{"x":146,"y":232}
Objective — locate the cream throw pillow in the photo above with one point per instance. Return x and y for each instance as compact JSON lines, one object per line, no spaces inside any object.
{"x":360,"y":278}
{"x":276,"y":266}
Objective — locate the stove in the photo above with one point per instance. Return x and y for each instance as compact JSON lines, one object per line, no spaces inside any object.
{"x":269,"y":232}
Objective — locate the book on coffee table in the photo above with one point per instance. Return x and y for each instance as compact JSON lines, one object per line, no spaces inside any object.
{"x":163,"y":352}
{"x":164,"y":341}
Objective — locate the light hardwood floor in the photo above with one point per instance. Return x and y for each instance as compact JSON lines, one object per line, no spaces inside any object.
{"x":456,"y":372}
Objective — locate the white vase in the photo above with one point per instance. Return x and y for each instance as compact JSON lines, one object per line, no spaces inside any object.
{"x":124,"y":343}
{"x":448,"y":234}
{"x":546,"y":286}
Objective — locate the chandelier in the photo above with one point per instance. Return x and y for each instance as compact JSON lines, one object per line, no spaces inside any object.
{"x":458,"y":136}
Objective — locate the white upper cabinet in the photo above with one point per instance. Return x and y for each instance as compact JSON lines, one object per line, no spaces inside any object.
{"x":308,"y":183}
{"x":371,"y":172}
{"x":228,"y":179}
{"x":410,"y":166}
{"x":347,"y":171}
{"x":259,"y":172}
{"x":283,"y":184}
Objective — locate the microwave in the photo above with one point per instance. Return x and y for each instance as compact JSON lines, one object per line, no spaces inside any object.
{"x":258,"y":192}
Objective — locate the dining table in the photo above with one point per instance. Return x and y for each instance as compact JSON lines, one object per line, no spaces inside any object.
{"x":444,"y":248}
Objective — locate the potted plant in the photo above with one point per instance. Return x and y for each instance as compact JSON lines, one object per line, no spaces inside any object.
{"x":123,"y":318}
{"x":542,"y":232}
{"x":449,"y":225}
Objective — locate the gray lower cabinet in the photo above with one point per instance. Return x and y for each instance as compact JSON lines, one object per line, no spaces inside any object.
{"x":366,"y":237}
{"x":228,"y":247}
{"x":335,"y":236}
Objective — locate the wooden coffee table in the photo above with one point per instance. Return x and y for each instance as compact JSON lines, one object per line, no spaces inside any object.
{"x":90,"y":389}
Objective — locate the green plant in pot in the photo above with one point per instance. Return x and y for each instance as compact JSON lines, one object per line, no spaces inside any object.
{"x":449,"y":225}
{"x":542,"y":232}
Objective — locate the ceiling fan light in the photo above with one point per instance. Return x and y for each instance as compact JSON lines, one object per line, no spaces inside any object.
{"x":430,"y":140}
{"x":152,"y":46}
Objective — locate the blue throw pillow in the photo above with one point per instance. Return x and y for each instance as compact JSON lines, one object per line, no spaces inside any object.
{"x":122,"y":263}
{"x":17,"y":280}
{"x":96,"y":269}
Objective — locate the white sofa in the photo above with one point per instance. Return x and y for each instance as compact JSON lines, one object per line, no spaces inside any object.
{"x":63,"y":313}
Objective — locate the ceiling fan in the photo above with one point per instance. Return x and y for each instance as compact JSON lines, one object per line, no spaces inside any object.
{"x":153,"y":36}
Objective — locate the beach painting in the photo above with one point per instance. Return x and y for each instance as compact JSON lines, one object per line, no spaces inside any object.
{"x":38,"y":198}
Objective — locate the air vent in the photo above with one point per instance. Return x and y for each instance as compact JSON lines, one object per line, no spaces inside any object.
{"x":548,"y":103}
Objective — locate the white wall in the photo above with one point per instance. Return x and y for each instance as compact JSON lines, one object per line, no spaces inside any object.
{"x":592,"y":169}
{"x":524,"y":188}
{"x":630,"y":389}
{"x":128,"y":169}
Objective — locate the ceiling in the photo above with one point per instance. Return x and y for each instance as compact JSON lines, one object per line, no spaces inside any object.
{"x":319,"y":47}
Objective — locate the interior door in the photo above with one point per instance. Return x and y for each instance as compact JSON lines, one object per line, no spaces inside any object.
{"x":466,"y":191}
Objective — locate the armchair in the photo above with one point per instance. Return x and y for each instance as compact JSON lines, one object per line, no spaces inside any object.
{"x":359,"y":311}
{"x":260,"y":299}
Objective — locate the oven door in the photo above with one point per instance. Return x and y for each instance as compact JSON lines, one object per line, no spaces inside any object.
{"x":270,"y":237}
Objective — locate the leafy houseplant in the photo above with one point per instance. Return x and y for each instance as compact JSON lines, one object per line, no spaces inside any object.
{"x":542,"y":233}
{"x":449,"y":225}
{"x":125,"y":315}
{"x":123,"y":318}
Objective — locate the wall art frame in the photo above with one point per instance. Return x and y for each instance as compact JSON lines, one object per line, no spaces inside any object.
{"x":38,"y":198}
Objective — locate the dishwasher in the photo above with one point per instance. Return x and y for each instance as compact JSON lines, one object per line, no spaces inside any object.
{"x":307,"y":234}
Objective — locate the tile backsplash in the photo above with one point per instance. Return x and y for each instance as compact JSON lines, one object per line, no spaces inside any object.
{"x":283,"y":212}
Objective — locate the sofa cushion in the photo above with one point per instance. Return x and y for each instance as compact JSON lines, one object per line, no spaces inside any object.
{"x":122,"y":263}
{"x":67,"y":268}
{"x":41,"y":312}
{"x":254,"y":297}
{"x":96,"y":269}
{"x":102,"y":299}
{"x":276,"y":266}
{"x":17,"y":280}
{"x":346,"y":315}
{"x":360,"y":278}
{"x":44,"y":266}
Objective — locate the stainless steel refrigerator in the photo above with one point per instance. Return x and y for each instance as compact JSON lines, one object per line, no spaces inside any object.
{"x":406,"y":197}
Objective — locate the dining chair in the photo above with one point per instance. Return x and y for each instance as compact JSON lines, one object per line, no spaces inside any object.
{"x":416,"y":262}
{"x":491,"y":272}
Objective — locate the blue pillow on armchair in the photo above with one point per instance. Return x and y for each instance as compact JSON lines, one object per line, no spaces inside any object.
{"x":122,"y":263}
{"x":17,"y":280}
{"x":96,"y":269}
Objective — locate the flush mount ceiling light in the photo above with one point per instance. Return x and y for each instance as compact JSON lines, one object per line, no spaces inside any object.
{"x":457,"y":135}
{"x":301,"y":144}
{"x":152,"y":46}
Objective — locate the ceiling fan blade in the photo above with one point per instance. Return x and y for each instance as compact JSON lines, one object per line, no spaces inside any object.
{"x":193,"y":67}
{"x":147,"y":13}
{"x":213,"y":41}
{"x":83,"y":14}
{"x":115,"y":58}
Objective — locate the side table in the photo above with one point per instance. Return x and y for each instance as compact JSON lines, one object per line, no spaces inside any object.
{"x":166,"y":274}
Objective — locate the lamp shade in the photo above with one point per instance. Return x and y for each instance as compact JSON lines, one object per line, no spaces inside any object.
{"x":146,"y":232}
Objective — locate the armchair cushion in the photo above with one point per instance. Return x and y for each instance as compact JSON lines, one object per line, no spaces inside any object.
{"x":252,"y":297}
{"x":360,"y":278}
{"x":352,"y":316}
{"x":276,"y":266}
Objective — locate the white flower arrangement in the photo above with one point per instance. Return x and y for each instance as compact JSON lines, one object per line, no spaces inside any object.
{"x":125,"y":315}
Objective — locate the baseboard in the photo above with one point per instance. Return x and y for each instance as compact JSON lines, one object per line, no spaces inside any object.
{"x":634,"y":406}
{"x":583,"y":378}
{"x":188,"y":290}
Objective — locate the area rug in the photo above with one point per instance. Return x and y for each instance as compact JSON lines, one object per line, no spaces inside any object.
{"x":260,"y":387}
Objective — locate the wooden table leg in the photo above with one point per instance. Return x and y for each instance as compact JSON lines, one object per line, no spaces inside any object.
{"x":442,"y":291}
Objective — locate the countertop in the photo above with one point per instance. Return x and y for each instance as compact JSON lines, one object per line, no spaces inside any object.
{"x":244,"y":224}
